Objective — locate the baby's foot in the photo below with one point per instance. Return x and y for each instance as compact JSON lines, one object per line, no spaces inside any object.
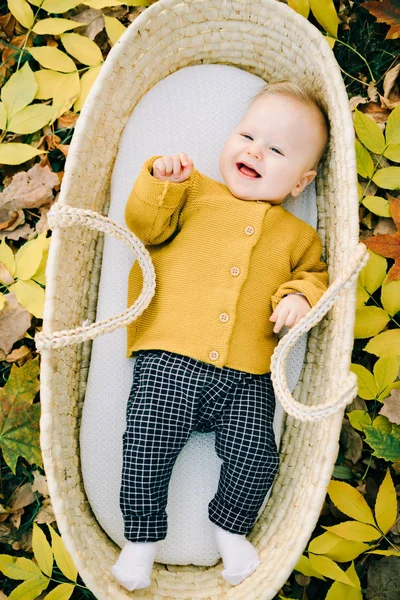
{"x":134,"y":565}
{"x":239,"y":556}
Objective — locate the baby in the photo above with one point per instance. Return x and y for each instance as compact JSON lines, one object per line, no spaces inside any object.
{"x":232,"y":268}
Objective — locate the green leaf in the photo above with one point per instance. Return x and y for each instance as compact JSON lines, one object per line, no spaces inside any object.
{"x":342,"y":472}
{"x":385,"y":344}
{"x":19,"y":419}
{"x":386,"y":445}
{"x":369,"y":132}
{"x":387,"y":178}
{"x":365,"y":164}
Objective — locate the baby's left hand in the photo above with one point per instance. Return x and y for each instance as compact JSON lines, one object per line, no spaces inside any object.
{"x":289,"y":311}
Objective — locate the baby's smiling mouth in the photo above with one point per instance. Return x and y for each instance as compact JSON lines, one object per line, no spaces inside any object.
{"x":247,"y":171}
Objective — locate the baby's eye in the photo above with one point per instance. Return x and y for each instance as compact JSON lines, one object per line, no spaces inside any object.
{"x":246,"y":135}
{"x":279,"y":152}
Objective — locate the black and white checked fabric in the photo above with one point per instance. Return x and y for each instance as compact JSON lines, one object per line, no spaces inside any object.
{"x":173,"y":395}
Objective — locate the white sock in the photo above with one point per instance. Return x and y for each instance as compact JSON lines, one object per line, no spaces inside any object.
{"x":134,"y":565}
{"x":239,"y":556}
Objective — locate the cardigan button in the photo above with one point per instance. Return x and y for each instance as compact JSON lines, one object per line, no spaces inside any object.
{"x":224,"y":317}
{"x":249,"y":230}
{"x":234,"y":271}
{"x":214,"y":355}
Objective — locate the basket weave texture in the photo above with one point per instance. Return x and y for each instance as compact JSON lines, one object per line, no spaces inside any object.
{"x":272,"y":41}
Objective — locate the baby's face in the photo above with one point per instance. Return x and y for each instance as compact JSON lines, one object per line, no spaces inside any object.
{"x":279,"y":137}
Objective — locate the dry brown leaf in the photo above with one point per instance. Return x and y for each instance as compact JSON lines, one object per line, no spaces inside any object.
{"x":9,"y":55}
{"x":24,"y":542}
{"x":351,"y":442}
{"x":2,"y":596}
{"x":372,"y":93}
{"x":19,"y":355}
{"x":357,"y":404}
{"x":94,"y":19}
{"x":67,"y":120}
{"x":24,"y":232}
{"x":29,"y":189}
{"x":40,"y":484}
{"x":7,"y":24}
{"x":14,"y":322}
{"x":15,"y":517}
{"x":5,"y":275}
{"x":22,"y":496}
{"x":386,"y":11}
{"x":356,"y":100}
{"x":10,"y":219}
{"x":391,"y":95}
{"x":385,"y":225}
{"x":391,"y":408}
{"x":378,"y":113}
{"x":46,"y":513}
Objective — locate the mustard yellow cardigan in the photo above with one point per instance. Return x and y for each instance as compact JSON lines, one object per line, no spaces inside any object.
{"x":222,"y":265}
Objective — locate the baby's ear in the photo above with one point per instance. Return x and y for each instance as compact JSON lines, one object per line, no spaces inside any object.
{"x":303,"y":182}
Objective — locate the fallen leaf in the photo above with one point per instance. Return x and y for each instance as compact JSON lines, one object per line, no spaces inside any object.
{"x":388,"y":245}
{"x":24,"y":232}
{"x":94,"y":22}
{"x":383,"y":579}
{"x":29,"y":189}
{"x":40,"y":484}
{"x":351,"y":442}
{"x":24,"y":542}
{"x":14,"y":322}
{"x":391,"y":96}
{"x":391,"y":408}
{"x":15,"y":517}
{"x":19,"y":355}
{"x":387,"y":11}
{"x":22,"y":496}
{"x":67,"y":120}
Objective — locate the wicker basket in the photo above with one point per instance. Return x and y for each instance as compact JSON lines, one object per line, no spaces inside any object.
{"x":272,"y":41}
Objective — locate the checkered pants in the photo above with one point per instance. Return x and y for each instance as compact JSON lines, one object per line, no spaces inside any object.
{"x":173,"y":395}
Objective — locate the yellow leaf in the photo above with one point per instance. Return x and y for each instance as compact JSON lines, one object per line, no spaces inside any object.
{"x":22,"y":12}
{"x":42,"y":550}
{"x":385,"y":372}
{"x":7,"y":256}
{"x":3,"y":116}
{"x":61,"y":592}
{"x":358,"y":417}
{"x":369,"y":132}
{"x":329,"y":569}
{"x":55,"y":26}
{"x":385,"y":552}
{"x":102,"y":3}
{"x":304,"y":566}
{"x":40,"y":275}
{"x":346,"y":550}
{"x":325,"y":13}
{"x":2,"y":301}
{"x":382,"y":423}
{"x":30,"y":295}
{"x":350,"y":501}
{"x":390,"y":296}
{"x":373,"y":273}
{"x":18,"y":568}
{"x":377,"y":205}
{"x":386,"y":391}
{"x":300,"y":6}
{"x":66,"y":92}
{"x":386,"y":504}
{"x":323,"y":543}
{"x":370,"y":320}
{"x":52,"y":58}
{"x":30,"y":589}
{"x":341,"y":591}
{"x":393,"y":127}
{"x":366,"y":382}
{"x":353,"y":530}
{"x":56,"y":6}
{"x":16,"y":154}
{"x":83,"y":49}
{"x":392,"y":152}
{"x":385,"y":344}
{"x":31,"y":119}
{"x":29,"y":256}
{"x":19,"y":91}
{"x":87,"y":81}
{"x":365,"y":164}
{"x":47,"y":80}
{"x":362,"y":296}
{"x":62,"y":557}
{"x":114,"y":29}
{"x":387,"y":178}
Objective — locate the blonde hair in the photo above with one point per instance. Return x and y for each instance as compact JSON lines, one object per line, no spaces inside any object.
{"x":293,"y":90}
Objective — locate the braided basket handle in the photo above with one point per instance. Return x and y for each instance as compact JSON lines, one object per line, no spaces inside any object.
{"x":67,"y":216}
{"x":347,"y":389}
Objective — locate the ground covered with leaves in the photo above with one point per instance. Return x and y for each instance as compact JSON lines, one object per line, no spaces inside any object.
{"x":52,"y":51}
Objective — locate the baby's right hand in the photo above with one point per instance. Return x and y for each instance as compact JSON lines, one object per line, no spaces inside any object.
{"x":175,"y":168}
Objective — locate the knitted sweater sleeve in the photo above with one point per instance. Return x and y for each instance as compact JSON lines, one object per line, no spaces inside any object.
{"x":153,"y":207}
{"x":309,"y":276}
